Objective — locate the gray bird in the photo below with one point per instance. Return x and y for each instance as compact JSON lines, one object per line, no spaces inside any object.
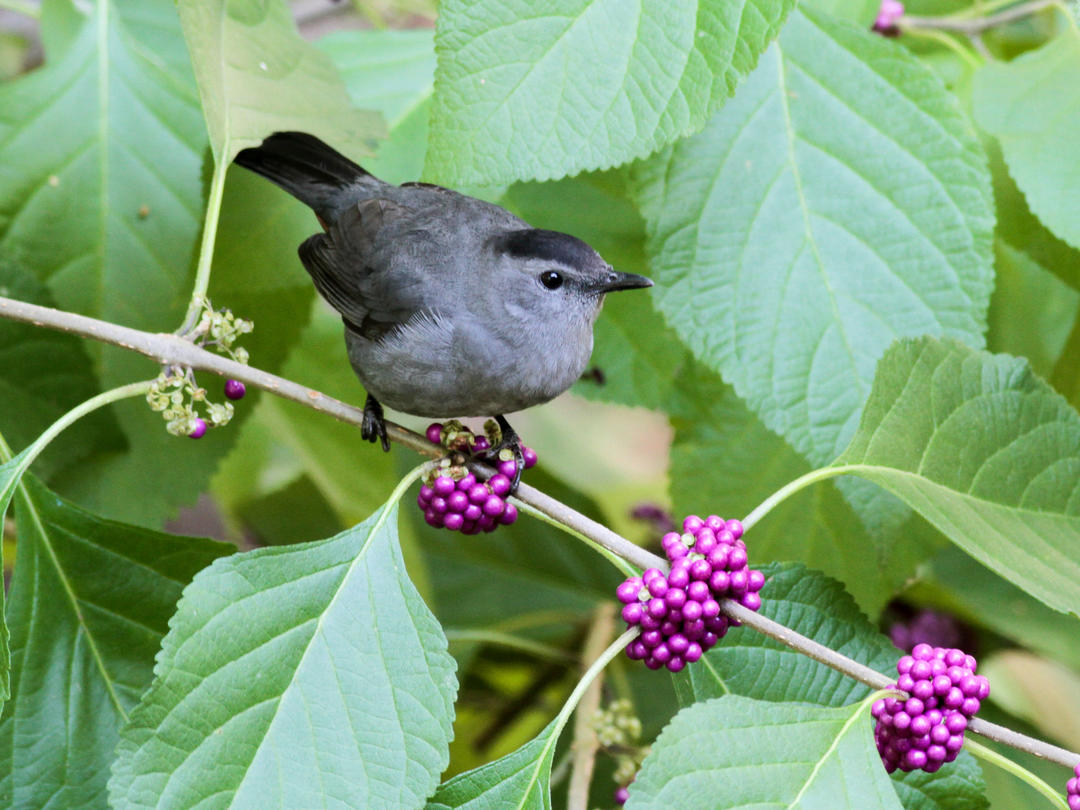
{"x":452,"y":306}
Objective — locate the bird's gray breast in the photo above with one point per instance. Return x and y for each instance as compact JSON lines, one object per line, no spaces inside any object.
{"x":438,"y":364}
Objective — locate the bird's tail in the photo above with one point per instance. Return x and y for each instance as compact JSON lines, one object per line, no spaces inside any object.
{"x":320,"y":177}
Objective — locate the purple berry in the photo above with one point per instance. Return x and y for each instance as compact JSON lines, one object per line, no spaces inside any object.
{"x":493,"y":506}
{"x":453,"y":521}
{"x":500,"y":485}
{"x":676,"y":664}
{"x":473,"y":512}
{"x":691,"y":523}
{"x":675,"y":598}
{"x":480,"y":444}
{"x":434,"y":432}
{"x":507,"y":468}
{"x":478,"y":494}
{"x":444,"y":485}
{"x":628,"y":591}
{"x":621,"y":795}
{"x":457,"y":501}
{"x":633,"y":613}
{"x":467,"y":483}
{"x":199,"y":430}
{"x":234,"y":389}
{"x":529,"y":455}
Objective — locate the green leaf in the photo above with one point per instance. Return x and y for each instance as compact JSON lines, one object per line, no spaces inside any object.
{"x":734,"y":752}
{"x":122,"y":173}
{"x":521,"y":779}
{"x":1032,"y":106}
{"x":984,"y":450}
{"x":257,"y":76}
{"x":957,"y":584}
{"x":392,"y":72}
{"x":522,"y":93}
{"x":295,"y":669}
{"x":1031,"y":312}
{"x":43,"y":374}
{"x":725,"y":461}
{"x":1020,"y":229}
{"x":89,"y":605}
{"x":839,"y":200}
{"x":753,"y":665}
{"x":958,"y":785}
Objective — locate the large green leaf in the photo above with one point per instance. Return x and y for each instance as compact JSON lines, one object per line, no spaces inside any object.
{"x":725,"y":461}
{"x":90,"y":603}
{"x":958,"y":785}
{"x":839,"y":200}
{"x":984,"y":450}
{"x":954,"y":582}
{"x":1032,"y":105}
{"x":734,"y":752}
{"x":750,"y":664}
{"x":392,"y":72}
{"x":521,"y":779}
{"x":295,"y":669}
{"x":108,"y":216}
{"x":257,"y":76}
{"x":528,"y":92}
{"x":1031,"y":312}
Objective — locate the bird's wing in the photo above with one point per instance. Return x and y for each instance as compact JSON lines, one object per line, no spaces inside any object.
{"x":369,"y":266}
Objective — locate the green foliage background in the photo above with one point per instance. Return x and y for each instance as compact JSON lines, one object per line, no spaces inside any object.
{"x":805,"y":194}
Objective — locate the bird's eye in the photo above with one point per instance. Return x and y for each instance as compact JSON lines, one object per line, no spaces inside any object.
{"x":551,"y":279}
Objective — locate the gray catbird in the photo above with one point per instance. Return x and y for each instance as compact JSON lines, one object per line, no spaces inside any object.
{"x":452,"y":306}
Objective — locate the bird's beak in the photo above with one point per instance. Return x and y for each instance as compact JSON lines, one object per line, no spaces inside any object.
{"x":624,"y":281}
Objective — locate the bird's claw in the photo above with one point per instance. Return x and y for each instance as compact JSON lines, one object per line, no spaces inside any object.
{"x":373,"y":426}
{"x":509,"y":440}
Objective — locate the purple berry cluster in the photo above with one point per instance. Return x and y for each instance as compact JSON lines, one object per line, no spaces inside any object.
{"x":453,"y":498}
{"x":1072,"y":789}
{"x":927,"y":730}
{"x":679,"y":613}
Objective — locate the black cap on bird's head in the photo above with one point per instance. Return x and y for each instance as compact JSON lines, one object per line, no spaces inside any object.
{"x":559,"y":252}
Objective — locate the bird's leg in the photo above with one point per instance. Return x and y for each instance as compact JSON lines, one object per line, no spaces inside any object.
{"x":509,"y":440}
{"x":374,"y":425}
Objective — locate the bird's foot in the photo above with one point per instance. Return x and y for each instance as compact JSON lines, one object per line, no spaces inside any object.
{"x":509,"y":440}
{"x":374,"y":425}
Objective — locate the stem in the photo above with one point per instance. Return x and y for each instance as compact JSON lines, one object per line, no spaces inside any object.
{"x":586,"y":744}
{"x":21,"y":7}
{"x":206,"y":250}
{"x":1020,"y":772}
{"x":790,"y":489}
{"x":944,"y":39}
{"x":507,"y":640}
{"x":172,"y":349}
{"x":105,"y":398}
{"x":598,"y":665}
{"x":976,"y":25}
{"x":625,"y":567}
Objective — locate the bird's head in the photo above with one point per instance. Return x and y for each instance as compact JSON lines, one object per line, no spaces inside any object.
{"x":556,"y":276}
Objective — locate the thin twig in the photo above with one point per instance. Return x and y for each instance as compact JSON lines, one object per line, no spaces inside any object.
{"x":975,"y":25}
{"x":586,"y":744}
{"x":175,"y":350}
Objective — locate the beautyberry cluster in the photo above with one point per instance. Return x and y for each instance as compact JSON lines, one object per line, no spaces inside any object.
{"x":927,"y":730}
{"x":679,"y":613}
{"x":453,"y":498}
{"x":1072,"y":789}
